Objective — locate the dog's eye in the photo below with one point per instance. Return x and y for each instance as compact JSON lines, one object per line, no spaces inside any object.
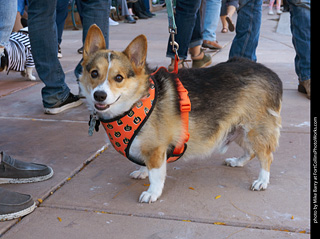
{"x":118,"y":78}
{"x":94,"y":74}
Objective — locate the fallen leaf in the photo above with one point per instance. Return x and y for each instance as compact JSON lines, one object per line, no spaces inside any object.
{"x":219,"y":223}
{"x":186,"y":220}
{"x":219,"y":196}
{"x":40,"y":200}
{"x":191,"y":188}
{"x":59,"y":218}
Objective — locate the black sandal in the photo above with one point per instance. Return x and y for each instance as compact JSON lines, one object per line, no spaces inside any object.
{"x":230,"y":23}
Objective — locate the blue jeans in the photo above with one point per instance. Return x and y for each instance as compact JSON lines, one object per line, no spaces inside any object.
{"x":187,"y":20}
{"x":211,"y":19}
{"x":300,"y":28}
{"x":247,"y":29}
{"x":93,"y":11}
{"x":61,"y":15}
{"x":8,"y":12}
{"x":44,"y":43}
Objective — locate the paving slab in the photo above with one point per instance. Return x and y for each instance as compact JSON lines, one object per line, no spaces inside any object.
{"x":75,"y":224}
{"x":59,"y":145}
{"x":28,"y":104}
{"x":192,"y":187}
{"x":57,"y":141}
{"x":284,"y":24}
{"x":295,"y":112}
{"x":13,"y":83}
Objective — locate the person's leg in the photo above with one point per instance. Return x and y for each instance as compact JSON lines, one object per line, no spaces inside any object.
{"x":224,"y":24}
{"x":199,"y":58}
{"x":126,"y":13}
{"x":61,"y":15}
{"x":247,"y":30}
{"x":301,"y":36}
{"x":211,"y":20}
{"x":13,"y":204}
{"x":94,"y":12}
{"x":223,"y":13}
{"x":278,"y":5}
{"x":271,"y":3}
{"x":185,"y":18}
{"x":124,"y":8}
{"x":8,"y":12}
{"x":16,"y":171}
{"x":44,"y":44}
{"x":231,"y":9}
{"x":196,"y":38}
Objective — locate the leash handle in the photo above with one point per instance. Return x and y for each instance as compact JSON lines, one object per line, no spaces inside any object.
{"x":172,"y":23}
{"x":172,"y":26}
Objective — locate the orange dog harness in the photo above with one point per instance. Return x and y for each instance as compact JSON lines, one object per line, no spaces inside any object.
{"x":122,"y":130}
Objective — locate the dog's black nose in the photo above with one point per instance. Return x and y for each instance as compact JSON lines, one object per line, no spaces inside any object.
{"x":100,"y":96}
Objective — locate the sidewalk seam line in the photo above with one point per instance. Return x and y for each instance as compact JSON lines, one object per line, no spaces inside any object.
{"x":182,"y":219}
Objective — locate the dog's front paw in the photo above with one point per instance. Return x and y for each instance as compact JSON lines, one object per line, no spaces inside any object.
{"x":149,"y":197}
{"x":262,"y":182}
{"x":142,"y":173}
{"x":258,"y":185}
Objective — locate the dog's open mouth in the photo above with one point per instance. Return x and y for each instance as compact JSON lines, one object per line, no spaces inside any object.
{"x":102,"y":107}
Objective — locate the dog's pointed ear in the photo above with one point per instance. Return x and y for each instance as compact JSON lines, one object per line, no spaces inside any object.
{"x":94,"y":41}
{"x":136,"y":51}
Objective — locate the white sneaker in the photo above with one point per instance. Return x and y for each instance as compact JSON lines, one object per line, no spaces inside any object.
{"x":71,"y":102}
{"x":279,"y":12}
{"x":270,"y":12}
{"x":113,"y":23}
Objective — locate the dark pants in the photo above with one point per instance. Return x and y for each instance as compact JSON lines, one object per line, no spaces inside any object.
{"x":187,"y":20}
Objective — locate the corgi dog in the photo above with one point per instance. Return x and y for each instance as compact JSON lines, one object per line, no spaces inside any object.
{"x":235,"y":101}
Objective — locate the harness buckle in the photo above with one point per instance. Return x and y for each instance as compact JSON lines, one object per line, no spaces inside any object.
{"x":184,"y":107}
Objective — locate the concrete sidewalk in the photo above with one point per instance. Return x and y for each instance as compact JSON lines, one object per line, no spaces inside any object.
{"x":91,"y":194}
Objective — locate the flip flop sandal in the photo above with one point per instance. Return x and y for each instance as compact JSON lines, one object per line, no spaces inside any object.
{"x":230,"y":24}
{"x":224,"y":30}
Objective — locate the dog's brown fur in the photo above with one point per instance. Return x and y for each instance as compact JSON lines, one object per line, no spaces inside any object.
{"x":238,"y":101}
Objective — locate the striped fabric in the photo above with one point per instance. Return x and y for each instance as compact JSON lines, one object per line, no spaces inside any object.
{"x":19,"y":52}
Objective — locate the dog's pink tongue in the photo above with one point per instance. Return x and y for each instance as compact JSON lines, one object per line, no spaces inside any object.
{"x":101,"y":106}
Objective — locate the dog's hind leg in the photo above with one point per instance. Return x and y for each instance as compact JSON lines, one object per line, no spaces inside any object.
{"x":243,"y":142}
{"x":239,"y":162}
{"x":264,"y":140}
{"x":262,"y":182}
{"x":142,"y":173}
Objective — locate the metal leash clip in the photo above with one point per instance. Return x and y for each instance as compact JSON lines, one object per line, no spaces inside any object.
{"x":93,"y":123}
{"x":173,"y":43}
